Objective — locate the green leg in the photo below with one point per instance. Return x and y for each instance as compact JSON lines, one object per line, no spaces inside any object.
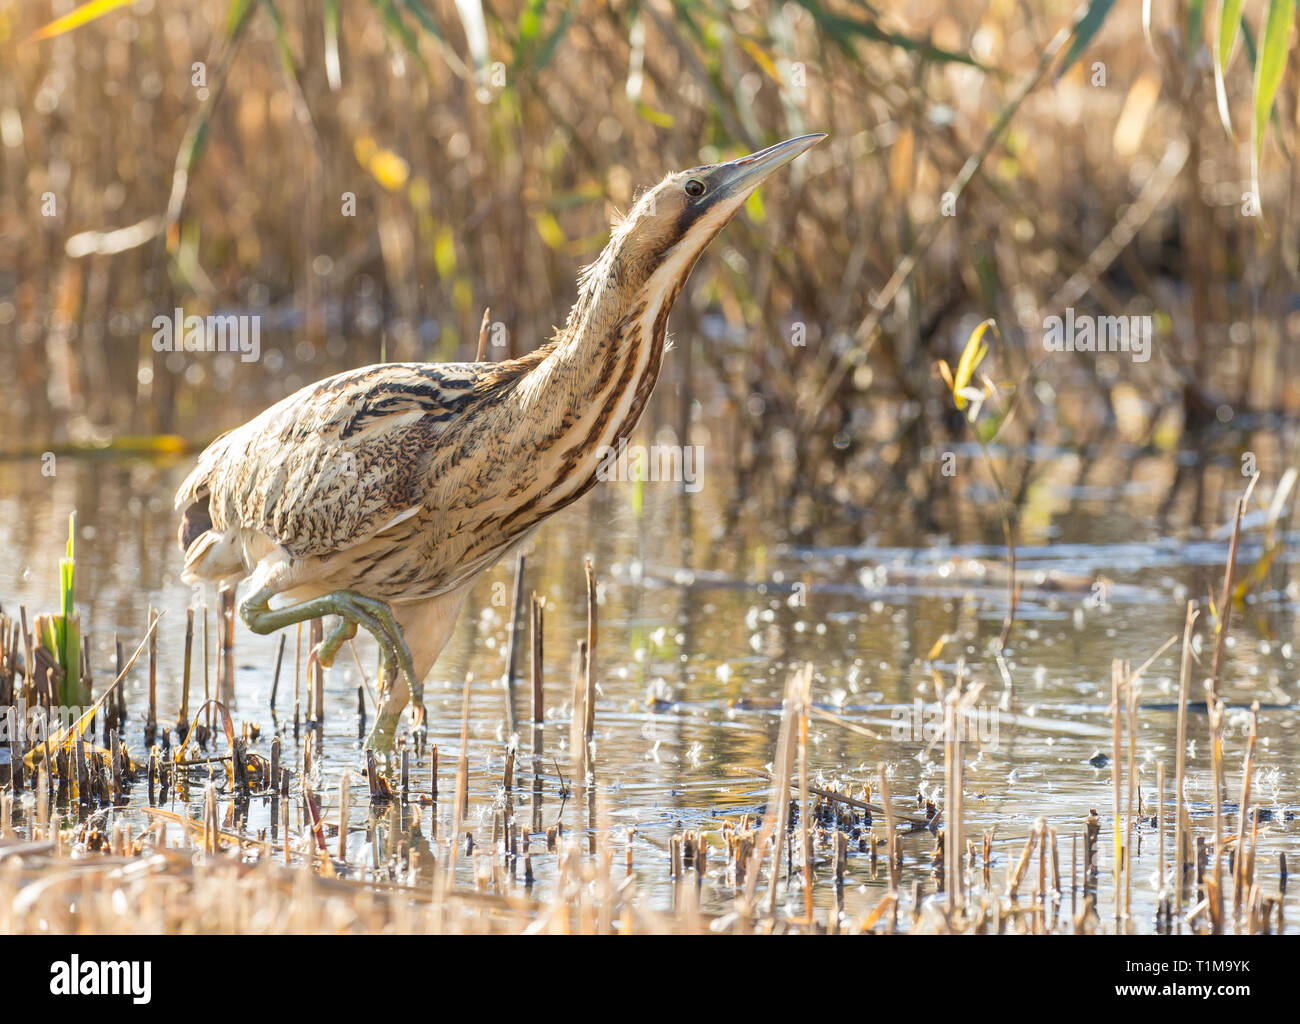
{"x":383,"y":734}
{"x":356,"y":610}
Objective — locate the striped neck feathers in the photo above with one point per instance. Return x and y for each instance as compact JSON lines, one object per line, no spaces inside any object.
{"x":613,"y":340}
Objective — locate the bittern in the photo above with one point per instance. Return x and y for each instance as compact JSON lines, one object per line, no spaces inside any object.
{"x":380,"y":495}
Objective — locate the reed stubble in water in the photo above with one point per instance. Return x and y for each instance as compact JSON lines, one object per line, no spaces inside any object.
{"x":805,"y":824}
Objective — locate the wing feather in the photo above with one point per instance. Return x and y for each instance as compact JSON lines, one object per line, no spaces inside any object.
{"x":334,"y":464}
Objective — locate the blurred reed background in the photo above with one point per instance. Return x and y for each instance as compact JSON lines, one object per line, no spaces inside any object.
{"x":170,"y":154}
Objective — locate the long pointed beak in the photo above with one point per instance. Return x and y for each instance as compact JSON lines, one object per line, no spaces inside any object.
{"x":745,"y":174}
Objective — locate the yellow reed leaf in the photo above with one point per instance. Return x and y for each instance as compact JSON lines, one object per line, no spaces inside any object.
{"x":971,"y":357}
{"x":77,"y":18}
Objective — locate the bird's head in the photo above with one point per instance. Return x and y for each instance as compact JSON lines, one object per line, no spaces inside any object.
{"x":657,"y":243}
{"x":672,"y":223}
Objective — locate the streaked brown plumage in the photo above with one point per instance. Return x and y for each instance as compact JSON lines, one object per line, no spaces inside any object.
{"x":401,"y":483}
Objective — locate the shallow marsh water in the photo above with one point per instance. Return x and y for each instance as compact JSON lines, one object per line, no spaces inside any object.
{"x":704,"y":612}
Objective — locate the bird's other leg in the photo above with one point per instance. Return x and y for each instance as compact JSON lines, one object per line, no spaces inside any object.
{"x":355,"y":609}
{"x":394,"y":695}
{"x":427,"y":624}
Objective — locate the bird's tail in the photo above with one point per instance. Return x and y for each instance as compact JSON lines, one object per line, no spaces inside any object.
{"x":213,"y":556}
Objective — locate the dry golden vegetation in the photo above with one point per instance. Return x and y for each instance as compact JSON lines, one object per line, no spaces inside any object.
{"x":203,"y":158}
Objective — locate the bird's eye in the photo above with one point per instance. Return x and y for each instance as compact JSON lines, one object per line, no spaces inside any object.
{"x":695,"y":188}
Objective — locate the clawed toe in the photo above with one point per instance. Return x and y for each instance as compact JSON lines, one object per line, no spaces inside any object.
{"x":325,"y":652}
{"x":355,"y":610}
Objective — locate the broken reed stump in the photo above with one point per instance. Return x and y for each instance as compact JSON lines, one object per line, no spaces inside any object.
{"x":118,"y":695}
{"x":226,"y":640}
{"x":1242,"y":864}
{"x":537,"y":607}
{"x":954,"y":758}
{"x":207,"y":678}
{"x":345,"y":805}
{"x":894,"y":850}
{"x":1215,"y":710}
{"x":83,"y":772}
{"x":1074,"y":874}
{"x":297,"y":681}
{"x":1131,"y":689}
{"x":460,"y":802}
{"x":183,"y":714}
{"x":589,"y":661}
{"x":279,"y":663}
{"x":578,"y":749}
{"x":316,"y":683}
{"x":8,"y":659}
{"x":512,"y":647}
{"x":116,"y":754}
{"x":29,"y":687}
{"x":15,"y":750}
{"x":1117,"y":699}
{"x":1226,"y":597}
{"x":273,"y":774}
{"x":239,"y":768}
{"x":538,"y":611}
{"x":1182,"y":846}
{"x":151,"y":720}
{"x":87,"y":676}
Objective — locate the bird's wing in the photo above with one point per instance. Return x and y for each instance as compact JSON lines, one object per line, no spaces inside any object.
{"x":332,"y":465}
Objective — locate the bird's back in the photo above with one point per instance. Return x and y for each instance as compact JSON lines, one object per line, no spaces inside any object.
{"x":330,"y":467}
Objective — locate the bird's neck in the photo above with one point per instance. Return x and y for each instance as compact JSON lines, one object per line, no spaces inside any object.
{"x":589,"y":389}
{"x":599,"y":376}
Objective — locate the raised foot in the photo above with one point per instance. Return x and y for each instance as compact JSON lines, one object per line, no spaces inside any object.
{"x":356,"y":610}
{"x":325,"y":651}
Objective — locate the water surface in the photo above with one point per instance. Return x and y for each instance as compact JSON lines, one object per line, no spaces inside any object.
{"x":707,"y":605}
